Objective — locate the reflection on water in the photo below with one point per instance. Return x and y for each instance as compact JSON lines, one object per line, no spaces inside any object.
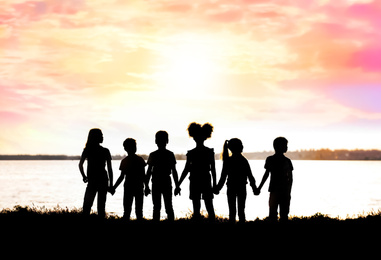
{"x":337,"y":188}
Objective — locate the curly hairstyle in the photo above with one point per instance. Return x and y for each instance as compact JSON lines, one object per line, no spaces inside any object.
{"x":196,"y":130}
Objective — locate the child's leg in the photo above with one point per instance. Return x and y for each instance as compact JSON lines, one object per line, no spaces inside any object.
{"x":102,"y":195}
{"x":241,"y":205}
{"x":127,"y":204}
{"x":232,"y":205}
{"x":285,"y":206}
{"x":156,"y":200}
{"x":139,"y":197}
{"x":167,"y":195}
{"x":273,"y":206}
{"x":196,"y":208}
{"x":210,"y":209}
{"x":88,"y":199}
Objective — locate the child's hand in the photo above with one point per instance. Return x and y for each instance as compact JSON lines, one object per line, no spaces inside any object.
{"x":111,"y":190}
{"x":147,"y":191}
{"x":256,"y":191}
{"x":85,"y":179}
{"x":177,"y":191}
{"x":216,"y":190}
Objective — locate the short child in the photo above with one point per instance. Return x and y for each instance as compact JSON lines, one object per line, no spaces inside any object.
{"x":281,"y":179}
{"x":132,"y":169}
{"x":161,"y":164}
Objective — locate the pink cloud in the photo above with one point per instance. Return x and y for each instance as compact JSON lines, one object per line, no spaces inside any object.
{"x":176,"y":8}
{"x":363,"y":97}
{"x":7,"y":118}
{"x":369,"y":12}
{"x":227,"y":16}
{"x":34,"y":10}
{"x":368,"y":59}
{"x":351,"y":88}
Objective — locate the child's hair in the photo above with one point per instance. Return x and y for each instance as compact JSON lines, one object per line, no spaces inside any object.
{"x":129,"y":143}
{"x":280,"y":143}
{"x":196,"y":130}
{"x":94,"y":138}
{"x":234,"y":145}
{"x":162,"y":136}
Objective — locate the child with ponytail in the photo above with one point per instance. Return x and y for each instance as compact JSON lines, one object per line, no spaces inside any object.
{"x":237,"y":170}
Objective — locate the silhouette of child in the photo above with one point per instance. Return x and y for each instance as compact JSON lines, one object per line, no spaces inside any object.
{"x":132,"y":169}
{"x":161,"y":164}
{"x":237,"y":169}
{"x":201,"y":166}
{"x":98,"y":178}
{"x":280,"y":168}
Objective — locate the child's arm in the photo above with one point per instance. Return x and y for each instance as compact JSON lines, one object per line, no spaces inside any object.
{"x":251,"y":178}
{"x":290,"y":180}
{"x":148,"y":177}
{"x":183,"y":176}
{"x":119,"y":180}
{"x":110,"y":173}
{"x":213,"y":171}
{"x":175,"y":175}
{"x":224,"y":175}
{"x":184,"y":173}
{"x":253,"y":185}
{"x":264,"y":179}
{"x":81,"y":170}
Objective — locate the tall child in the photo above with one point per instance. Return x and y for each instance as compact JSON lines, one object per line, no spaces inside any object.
{"x":237,"y":169}
{"x":280,"y":168}
{"x":97,"y":177}
{"x":161,"y":164}
{"x":201,"y":166}
{"x":132,"y":170}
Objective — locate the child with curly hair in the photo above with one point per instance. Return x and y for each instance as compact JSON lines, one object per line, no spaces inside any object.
{"x":201,"y":166}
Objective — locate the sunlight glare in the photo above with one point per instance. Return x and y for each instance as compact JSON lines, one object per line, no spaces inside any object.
{"x":189,"y":69}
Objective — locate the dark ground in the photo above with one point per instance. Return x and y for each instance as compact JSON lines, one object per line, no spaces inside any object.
{"x":29,"y":232}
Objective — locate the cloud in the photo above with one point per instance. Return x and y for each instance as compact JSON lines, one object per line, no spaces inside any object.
{"x":34,"y":10}
{"x":227,"y":16}
{"x":369,"y":58}
{"x":95,"y":63}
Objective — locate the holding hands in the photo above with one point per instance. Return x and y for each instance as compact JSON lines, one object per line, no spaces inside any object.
{"x":147,"y":191}
{"x":216,"y":190}
{"x":256,"y":190}
{"x":177,"y":191}
{"x":111,"y":189}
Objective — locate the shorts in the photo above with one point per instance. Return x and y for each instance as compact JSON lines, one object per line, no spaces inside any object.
{"x":200,"y":188}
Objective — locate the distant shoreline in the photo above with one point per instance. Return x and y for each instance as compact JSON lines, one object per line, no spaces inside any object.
{"x":321,"y":154}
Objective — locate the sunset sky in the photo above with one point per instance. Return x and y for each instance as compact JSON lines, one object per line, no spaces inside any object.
{"x":255,"y":69}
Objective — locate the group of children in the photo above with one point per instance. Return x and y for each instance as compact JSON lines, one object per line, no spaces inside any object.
{"x":200,"y":164}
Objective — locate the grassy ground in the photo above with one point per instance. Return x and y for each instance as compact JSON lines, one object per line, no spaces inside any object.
{"x":66,"y":230}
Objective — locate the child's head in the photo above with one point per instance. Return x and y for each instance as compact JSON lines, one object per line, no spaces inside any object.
{"x":130,"y":146}
{"x":95,"y":137}
{"x":200,"y":133}
{"x":161,"y":139}
{"x":234,"y":145}
{"x":280,"y":145}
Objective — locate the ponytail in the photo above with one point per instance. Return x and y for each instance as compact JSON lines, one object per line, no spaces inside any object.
{"x":225,"y":151}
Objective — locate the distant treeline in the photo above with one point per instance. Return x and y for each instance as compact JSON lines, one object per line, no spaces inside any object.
{"x":321,"y":154}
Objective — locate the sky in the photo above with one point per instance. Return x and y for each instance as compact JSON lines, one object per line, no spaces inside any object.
{"x":255,"y":69}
